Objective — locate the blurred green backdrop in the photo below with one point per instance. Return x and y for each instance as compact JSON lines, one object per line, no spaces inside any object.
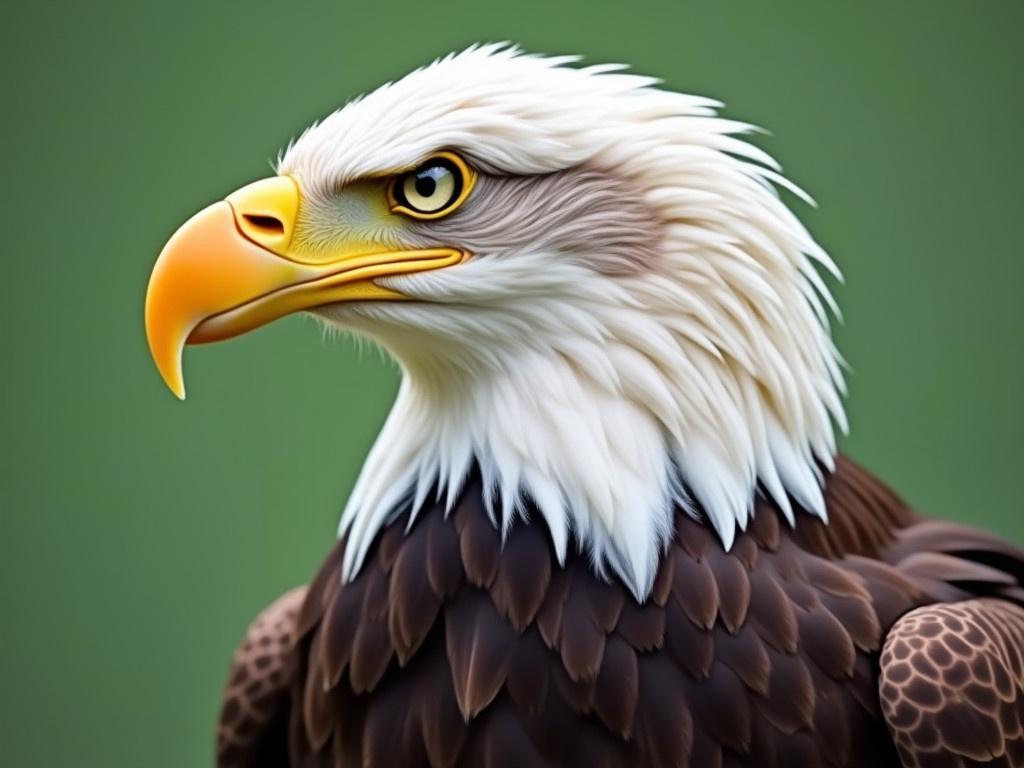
{"x":140,"y":534}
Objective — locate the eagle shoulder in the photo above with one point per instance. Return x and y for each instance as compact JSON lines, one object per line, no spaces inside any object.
{"x":253,"y":724}
{"x":952,"y":684}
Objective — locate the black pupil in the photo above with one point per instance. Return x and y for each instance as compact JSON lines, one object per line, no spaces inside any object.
{"x":425,"y":184}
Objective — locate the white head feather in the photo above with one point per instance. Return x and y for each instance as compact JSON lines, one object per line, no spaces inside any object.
{"x":605,"y":394}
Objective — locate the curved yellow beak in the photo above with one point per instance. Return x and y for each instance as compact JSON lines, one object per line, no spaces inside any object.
{"x":232,"y":268}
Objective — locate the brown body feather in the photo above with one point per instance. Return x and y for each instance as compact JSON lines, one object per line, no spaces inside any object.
{"x":453,"y":649}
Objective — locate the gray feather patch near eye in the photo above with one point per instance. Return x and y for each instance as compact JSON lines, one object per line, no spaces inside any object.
{"x":578,"y":211}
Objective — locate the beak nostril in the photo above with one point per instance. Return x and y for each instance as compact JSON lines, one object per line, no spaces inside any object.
{"x":266,"y":225}
{"x":265,"y":212}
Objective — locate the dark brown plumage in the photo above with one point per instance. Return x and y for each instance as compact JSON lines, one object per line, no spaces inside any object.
{"x":451,"y":649}
{"x":952,"y":685}
{"x":252,"y":728}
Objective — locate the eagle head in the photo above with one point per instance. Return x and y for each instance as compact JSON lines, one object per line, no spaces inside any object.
{"x":597,"y":298}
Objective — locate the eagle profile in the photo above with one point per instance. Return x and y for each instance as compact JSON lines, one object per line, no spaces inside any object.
{"x":605,"y":523}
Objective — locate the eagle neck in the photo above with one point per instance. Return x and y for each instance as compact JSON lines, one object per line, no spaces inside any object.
{"x":545,"y":440}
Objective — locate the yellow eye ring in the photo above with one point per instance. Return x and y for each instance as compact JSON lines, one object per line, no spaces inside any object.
{"x":433,"y":189}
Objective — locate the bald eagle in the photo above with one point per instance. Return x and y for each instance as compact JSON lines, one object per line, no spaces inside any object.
{"x":605,"y":523}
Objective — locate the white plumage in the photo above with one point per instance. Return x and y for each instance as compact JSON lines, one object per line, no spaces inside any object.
{"x":604,"y":395}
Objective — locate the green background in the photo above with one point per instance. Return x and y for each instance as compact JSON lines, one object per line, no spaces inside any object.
{"x":140,"y":534}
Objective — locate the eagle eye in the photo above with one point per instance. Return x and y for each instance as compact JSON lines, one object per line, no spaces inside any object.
{"x":433,"y":189}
